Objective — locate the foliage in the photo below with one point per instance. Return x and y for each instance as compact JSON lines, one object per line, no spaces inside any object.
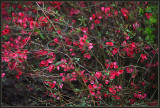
{"x":79,"y":53}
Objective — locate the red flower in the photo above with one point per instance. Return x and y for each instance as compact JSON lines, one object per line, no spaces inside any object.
{"x":125,"y":12}
{"x":52,"y":85}
{"x":50,"y":60}
{"x":42,"y":62}
{"x":129,"y":70}
{"x":5,"y":31}
{"x":21,"y":14}
{"x":51,"y":67}
{"x":32,"y":24}
{"x":87,"y":56}
{"x":114,"y":51}
{"x":85,"y":37}
{"x":148,"y":15}
{"x":111,"y":89}
{"x":116,"y":13}
{"x":19,"y":73}
{"x":109,"y":43}
{"x":143,"y":56}
{"x":96,"y":21}
{"x":93,"y":16}
{"x":107,"y":65}
{"x":55,"y":40}
{"x":112,"y":74}
{"x":107,"y":9}
{"x":17,"y":76}
{"x":64,"y":78}
{"x":143,"y":83}
{"x":82,"y":41}
{"x":120,"y":71}
{"x":90,"y":87}
{"x":132,"y":101}
{"x":105,"y":94}
{"x":98,"y":75}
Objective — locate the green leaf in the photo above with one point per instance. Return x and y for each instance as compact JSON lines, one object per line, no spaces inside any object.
{"x":5,"y":36}
{"x":140,"y":39}
{"x":39,"y":32}
{"x":58,"y":63}
{"x":152,"y":20}
{"x":87,"y":41}
{"x":148,"y":10}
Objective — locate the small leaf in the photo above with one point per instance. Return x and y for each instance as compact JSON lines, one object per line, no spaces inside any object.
{"x":87,"y":41}
{"x":58,"y":63}
{"x":37,"y":30}
{"x":153,"y":20}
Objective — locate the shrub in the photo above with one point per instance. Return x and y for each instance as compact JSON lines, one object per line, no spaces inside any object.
{"x":79,"y":53}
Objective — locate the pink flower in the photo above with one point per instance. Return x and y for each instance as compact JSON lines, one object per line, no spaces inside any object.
{"x":84,"y":29}
{"x":106,"y":81}
{"x":102,"y":8}
{"x":98,"y":75}
{"x":61,"y":85}
{"x":135,"y":25}
{"x":73,"y":54}
{"x":120,"y":71}
{"x":90,"y":87}
{"x":129,"y":70}
{"x":82,"y":41}
{"x":126,"y":37}
{"x":73,"y":21}
{"x":107,"y":9}
{"x":144,"y":95}
{"x":124,"y":43}
{"x":92,"y":26}
{"x":17,"y":76}
{"x":32,"y":24}
{"x":42,"y":63}
{"x":3,"y":74}
{"x":51,"y":67}
{"x":90,"y":46}
{"x":57,"y":67}
{"x":24,"y":25}
{"x":90,"y":18}
{"x":117,"y":97}
{"x":93,"y":16}
{"x":21,"y":14}
{"x":112,"y":75}
{"x":143,"y":56}
{"x":143,"y":83}
{"x":95,"y":86}
{"x":112,"y":90}
{"x":148,"y":15}
{"x":19,"y":73}
{"x":64,"y":78}
{"x":55,"y":40}
{"x":92,"y":93}
{"x":85,"y":37}
{"x":116,"y":13}
{"x":120,"y":87}
{"x":50,"y":60}
{"x":114,"y":51}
